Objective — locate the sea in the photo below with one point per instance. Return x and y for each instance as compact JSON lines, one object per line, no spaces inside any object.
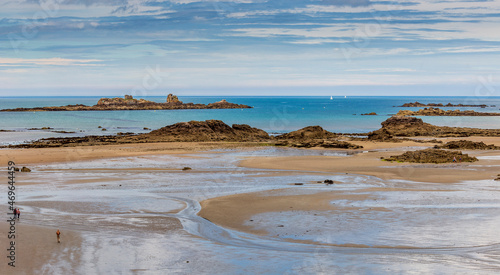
{"x":275,"y":115}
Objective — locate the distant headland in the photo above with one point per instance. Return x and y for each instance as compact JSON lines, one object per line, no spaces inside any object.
{"x":130,"y":103}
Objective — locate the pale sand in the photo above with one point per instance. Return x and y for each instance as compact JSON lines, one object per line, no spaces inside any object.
{"x":37,"y":250}
{"x":236,"y":210}
{"x":231,"y":212}
{"x":369,"y":163}
{"x":32,"y":156}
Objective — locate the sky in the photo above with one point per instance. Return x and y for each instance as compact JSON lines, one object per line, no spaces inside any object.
{"x":249,"y":47}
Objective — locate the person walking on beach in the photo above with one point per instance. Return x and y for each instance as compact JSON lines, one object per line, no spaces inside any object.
{"x":454,"y":159}
{"x":58,"y":233}
{"x":18,"y":213}
{"x":15,"y":212}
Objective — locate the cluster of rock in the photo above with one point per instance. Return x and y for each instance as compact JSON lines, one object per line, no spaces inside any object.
{"x":418,"y":104}
{"x":439,"y":112}
{"x":209,"y":130}
{"x":68,"y":142}
{"x":498,"y":177}
{"x":369,"y":114}
{"x":405,"y":126}
{"x":432,"y":156}
{"x":313,"y":136}
{"x":319,"y":143}
{"x":467,"y":145}
{"x":193,"y":131}
{"x":130,"y":103}
{"x":24,"y":169}
{"x":309,"y":132}
{"x":394,"y":129}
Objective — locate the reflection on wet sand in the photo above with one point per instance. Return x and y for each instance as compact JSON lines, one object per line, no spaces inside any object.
{"x":255,"y":219}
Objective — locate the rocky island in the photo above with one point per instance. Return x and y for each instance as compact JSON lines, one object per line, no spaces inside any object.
{"x":407,"y":126}
{"x":418,"y":104}
{"x":439,"y":112}
{"x":130,"y":103}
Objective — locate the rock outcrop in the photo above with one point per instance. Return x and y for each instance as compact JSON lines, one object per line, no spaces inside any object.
{"x":467,"y":145}
{"x":404,"y":126}
{"x":418,"y":104}
{"x":369,"y":114}
{"x":193,"y":131}
{"x":313,"y":136}
{"x":209,"y":130}
{"x":309,"y":132}
{"x":319,"y":143}
{"x":432,"y":156}
{"x":439,"y":112}
{"x":173,"y":99}
{"x":130,"y":103}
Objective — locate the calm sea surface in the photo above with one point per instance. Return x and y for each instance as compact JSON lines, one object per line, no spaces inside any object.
{"x":272,"y":114}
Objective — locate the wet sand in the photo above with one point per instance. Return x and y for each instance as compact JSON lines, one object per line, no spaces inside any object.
{"x":37,"y":249}
{"x":131,"y":208}
{"x":33,"y":156}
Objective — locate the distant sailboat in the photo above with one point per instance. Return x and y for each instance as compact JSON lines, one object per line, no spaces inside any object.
{"x":345,"y":96}
{"x":331,"y":97}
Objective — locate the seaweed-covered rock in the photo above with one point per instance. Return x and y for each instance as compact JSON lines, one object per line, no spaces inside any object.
{"x":440,"y":112}
{"x":209,"y":130}
{"x":319,"y":143}
{"x":193,"y":131}
{"x":467,"y":145}
{"x":407,"y":126}
{"x":309,"y":132}
{"x":418,"y":104}
{"x":432,"y":156}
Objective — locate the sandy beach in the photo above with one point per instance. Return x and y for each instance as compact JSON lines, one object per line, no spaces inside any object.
{"x":94,"y":194}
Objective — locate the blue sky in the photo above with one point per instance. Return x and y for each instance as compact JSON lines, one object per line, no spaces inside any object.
{"x":249,"y":47}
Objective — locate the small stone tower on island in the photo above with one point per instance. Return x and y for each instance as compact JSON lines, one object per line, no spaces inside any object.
{"x":173,"y":99}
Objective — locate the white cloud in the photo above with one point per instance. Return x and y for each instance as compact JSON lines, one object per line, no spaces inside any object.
{"x":56,"y":61}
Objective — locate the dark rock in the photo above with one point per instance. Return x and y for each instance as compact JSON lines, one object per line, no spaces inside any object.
{"x":43,"y":128}
{"x":25,"y":169}
{"x":310,"y":132}
{"x":439,"y":112}
{"x":209,"y":130}
{"x":404,"y":126}
{"x":418,"y":104}
{"x":328,"y":181}
{"x":432,"y":156}
{"x":298,"y":183}
{"x":173,"y":99}
{"x":193,"y":131}
{"x":467,"y":145}
{"x":186,"y":168}
{"x":130,"y":103}
{"x":369,"y":114}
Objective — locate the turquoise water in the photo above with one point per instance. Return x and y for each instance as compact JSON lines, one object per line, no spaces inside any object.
{"x":272,"y":114}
